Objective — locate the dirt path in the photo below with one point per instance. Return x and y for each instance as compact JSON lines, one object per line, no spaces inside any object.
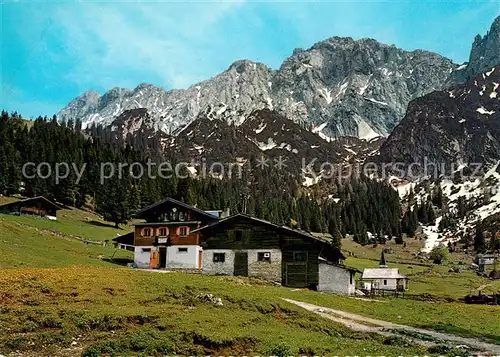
{"x":367,"y":324}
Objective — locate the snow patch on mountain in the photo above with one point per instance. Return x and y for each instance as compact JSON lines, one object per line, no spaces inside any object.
{"x":493,"y":93}
{"x":260,"y":128}
{"x":433,"y":237}
{"x":484,"y":111}
{"x":267,"y":146}
{"x":364,"y":130}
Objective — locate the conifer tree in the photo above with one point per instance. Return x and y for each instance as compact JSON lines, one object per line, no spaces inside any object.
{"x":479,"y":241}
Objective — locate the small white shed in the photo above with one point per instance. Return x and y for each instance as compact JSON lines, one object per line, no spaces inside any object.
{"x":336,"y":278}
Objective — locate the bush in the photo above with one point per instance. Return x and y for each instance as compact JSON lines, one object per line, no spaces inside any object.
{"x":439,"y":349}
{"x":280,"y":350}
{"x":149,"y":342}
{"x":15,"y":343}
{"x":439,"y":254}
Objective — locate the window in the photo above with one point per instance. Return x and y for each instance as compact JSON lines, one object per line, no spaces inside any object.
{"x":146,"y":232}
{"x":145,"y":250}
{"x":183,"y":231}
{"x":350,"y":277}
{"x":182,"y":217}
{"x":182,"y":250}
{"x":238,"y":235}
{"x":163,"y":231}
{"x":219,"y":257}
{"x":385,"y":282}
{"x":300,"y":256}
{"x":264,"y":256}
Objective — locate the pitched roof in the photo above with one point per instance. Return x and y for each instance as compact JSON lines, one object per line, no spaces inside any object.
{"x":127,"y":238}
{"x":284,"y":228}
{"x":382,"y":273}
{"x":175,"y":202}
{"x":342,"y":266}
{"x":28,"y":200}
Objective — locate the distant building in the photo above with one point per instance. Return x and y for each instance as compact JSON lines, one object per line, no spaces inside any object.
{"x":36,"y":206}
{"x":383,"y":278}
{"x":125,"y":241}
{"x":483,"y":260}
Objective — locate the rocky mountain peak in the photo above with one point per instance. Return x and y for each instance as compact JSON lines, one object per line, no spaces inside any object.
{"x":340,"y":87}
{"x":459,"y":125}
{"x":485,"y":51}
{"x":91,"y":96}
{"x":244,"y":65}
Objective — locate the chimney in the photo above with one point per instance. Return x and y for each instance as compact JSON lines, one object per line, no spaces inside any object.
{"x":225,"y":213}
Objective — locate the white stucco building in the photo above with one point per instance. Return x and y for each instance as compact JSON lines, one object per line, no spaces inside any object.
{"x":337,"y":279}
{"x":388,"y":279}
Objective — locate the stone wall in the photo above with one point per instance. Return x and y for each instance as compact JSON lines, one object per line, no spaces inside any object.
{"x":218,"y":268}
{"x":269,"y":270}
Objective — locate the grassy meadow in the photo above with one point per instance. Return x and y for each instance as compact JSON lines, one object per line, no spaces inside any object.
{"x":72,"y":221}
{"x":23,"y":245}
{"x":61,"y":297}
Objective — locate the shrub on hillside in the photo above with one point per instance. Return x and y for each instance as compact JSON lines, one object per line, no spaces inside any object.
{"x":439,"y":254}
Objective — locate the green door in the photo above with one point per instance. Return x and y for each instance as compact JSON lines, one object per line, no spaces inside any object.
{"x":241,"y":264}
{"x":296,"y":274}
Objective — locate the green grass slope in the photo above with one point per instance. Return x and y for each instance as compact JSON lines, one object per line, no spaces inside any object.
{"x":95,"y":311}
{"x":72,"y":221}
{"x":61,"y":297}
{"x":23,"y":245}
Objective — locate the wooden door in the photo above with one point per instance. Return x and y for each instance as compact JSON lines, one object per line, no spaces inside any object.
{"x":154,"y":259}
{"x":296,"y":274}
{"x":241,"y":263}
{"x":200,"y":259}
{"x":163,"y":257}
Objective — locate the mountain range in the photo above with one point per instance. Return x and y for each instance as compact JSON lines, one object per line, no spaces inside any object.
{"x":339,"y":88}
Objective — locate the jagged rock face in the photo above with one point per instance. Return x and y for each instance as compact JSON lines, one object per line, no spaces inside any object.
{"x":232,"y":95}
{"x":339,"y":87}
{"x":356,"y":88}
{"x":459,"y":125}
{"x":85,"y":104}
{"x":485,"y":51}
{"x":133,"y":122}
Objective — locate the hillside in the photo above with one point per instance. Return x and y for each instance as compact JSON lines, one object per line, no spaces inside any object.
{"x":62,"y":297}
{"x":67,"y":300}
{"x":25,"y":245}
{"x":456,"y":126}
{"x":71,"y":221}
{"x":435,"y":281}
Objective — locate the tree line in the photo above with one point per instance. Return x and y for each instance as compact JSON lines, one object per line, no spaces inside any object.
{"x":359,"y":205}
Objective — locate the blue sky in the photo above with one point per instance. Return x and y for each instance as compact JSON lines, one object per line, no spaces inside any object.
{"x":54,"y":51}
